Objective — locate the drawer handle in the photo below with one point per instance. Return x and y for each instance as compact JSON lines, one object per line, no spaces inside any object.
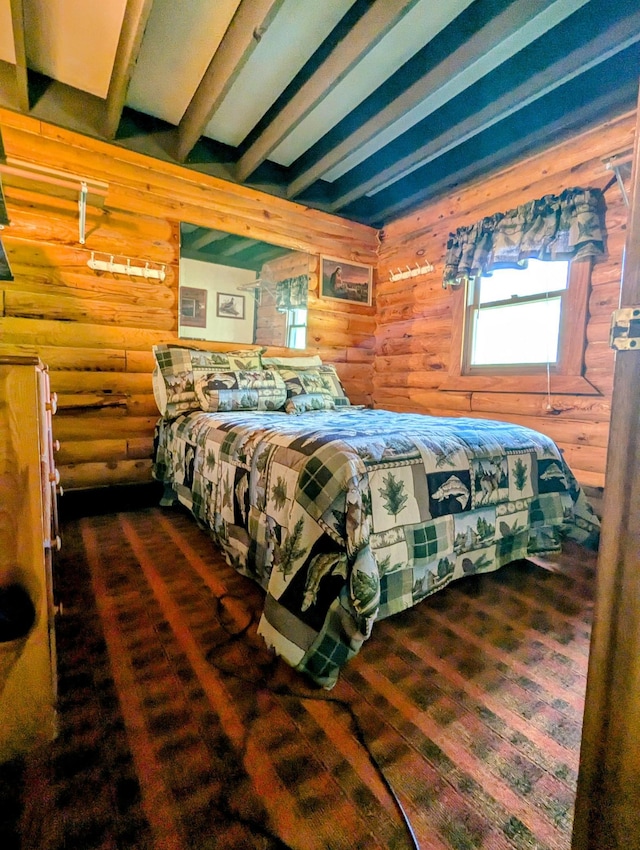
{"x":52,"y":404}
{"x":56,"y":445}
{"x":55,"y":476}
{"x":57,"y":543}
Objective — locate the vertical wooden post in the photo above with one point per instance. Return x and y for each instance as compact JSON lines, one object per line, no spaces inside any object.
{"x":607,"y":814}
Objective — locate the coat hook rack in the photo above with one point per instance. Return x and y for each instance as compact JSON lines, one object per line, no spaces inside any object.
{"x":402,"y":274}
{"x":133,"y":268}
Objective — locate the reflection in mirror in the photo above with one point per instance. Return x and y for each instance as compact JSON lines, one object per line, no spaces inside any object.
{"x":241,"y":290}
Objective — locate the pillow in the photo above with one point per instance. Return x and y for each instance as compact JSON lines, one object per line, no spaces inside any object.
{"x":310,"y":362}
{"x":173,"y":376}
{"x":172,"y":380}
{"x":241,"y":390}
{"x":309,"y":401}
{"x":332,"y":381}
{"x":232,"y":361}
{"x":307,"y":389}
{"x":321,"y":379}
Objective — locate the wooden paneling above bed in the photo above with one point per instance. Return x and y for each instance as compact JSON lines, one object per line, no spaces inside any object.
{"x":414,"y":315}
{"x":95,"y":330}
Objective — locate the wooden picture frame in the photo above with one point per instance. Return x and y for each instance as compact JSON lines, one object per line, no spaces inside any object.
{"x":229,"y":306}
{"x":193,"y":307}
{"x":344,"y":280}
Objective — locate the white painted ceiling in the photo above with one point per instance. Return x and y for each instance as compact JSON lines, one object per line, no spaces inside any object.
{"x":298,"y":30}
{"x":73,"y":41}
{"x":179,"y":41}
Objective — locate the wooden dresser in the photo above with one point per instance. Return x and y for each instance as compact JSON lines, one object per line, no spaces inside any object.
{"x":28,"y":534}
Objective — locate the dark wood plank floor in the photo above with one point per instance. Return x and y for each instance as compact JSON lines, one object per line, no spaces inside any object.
{"x":179,"y":730}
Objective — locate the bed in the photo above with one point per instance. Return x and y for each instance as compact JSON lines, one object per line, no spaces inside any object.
{"x":348,"y":515}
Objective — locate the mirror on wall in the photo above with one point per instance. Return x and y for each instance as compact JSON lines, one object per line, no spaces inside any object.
{"x":241,"y":290}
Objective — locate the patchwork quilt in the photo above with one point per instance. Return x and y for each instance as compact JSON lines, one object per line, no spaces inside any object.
{"x":350,"y":515}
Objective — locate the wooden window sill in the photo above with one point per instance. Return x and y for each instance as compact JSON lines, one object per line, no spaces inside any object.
{"x":558,"y":384}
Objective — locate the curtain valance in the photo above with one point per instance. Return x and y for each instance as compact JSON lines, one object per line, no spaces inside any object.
{"x":292,"y":293}
{"x":555,"y":227}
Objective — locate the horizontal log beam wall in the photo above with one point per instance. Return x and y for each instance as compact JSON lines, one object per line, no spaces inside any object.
{"x":414,"y":316}
{"x":95,"y":330}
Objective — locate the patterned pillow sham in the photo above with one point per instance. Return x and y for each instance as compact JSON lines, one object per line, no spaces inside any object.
{"x":172,"y":381}
{"x":232,"y":361}
{"x":309,"y":401}
{"x":323,"y":379}
{"x":240,"y":390}
{"x":307,"y":389}
{"x":333,"y":382}
{"x":173,"y":375}
{"x":311,"y":361}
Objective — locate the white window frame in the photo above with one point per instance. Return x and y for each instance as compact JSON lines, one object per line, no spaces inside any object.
{"x":565,"y":376}
{"x":293,"y":325}
{"x":474,"y":307}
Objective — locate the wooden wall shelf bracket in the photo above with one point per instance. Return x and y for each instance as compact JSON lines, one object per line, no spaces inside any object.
{"x":620,"y":164}
{"x":88,"y":191}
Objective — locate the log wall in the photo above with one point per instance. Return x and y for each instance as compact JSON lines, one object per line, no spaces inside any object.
{"x":95,"y":330}
{"x":414,"y":315}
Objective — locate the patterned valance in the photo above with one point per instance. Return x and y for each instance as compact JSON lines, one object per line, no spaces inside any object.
{"x":292,"y":293}
{"x":555,"y":227}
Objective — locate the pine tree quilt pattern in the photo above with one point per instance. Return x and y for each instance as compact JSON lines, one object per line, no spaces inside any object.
{"x":348,"y":516}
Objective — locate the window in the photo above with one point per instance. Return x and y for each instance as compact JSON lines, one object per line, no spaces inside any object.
{"x":297,"y":327}
{"x":513,"y":316}
{"x":522,"y":330}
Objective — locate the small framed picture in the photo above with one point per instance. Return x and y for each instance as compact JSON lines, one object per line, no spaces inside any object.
{"x":230,"y":306}
{"x":343,"y":280}
{"x":193,"y":307}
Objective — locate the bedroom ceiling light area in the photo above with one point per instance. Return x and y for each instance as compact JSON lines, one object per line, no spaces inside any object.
{"x":235,"y":289}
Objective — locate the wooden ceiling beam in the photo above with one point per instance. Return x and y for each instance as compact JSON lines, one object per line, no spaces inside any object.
{"x":67,"y":107}
{"x":536,"y":82}
{"x":134,"y":22}
{"x":218,"y":259}
{"x":205,"y":237}
{"x":471,"y":50}
{"x":367,"y":32}
{"x":239,"y":245}
{"x":521,"y":135}
{"x":249,"y":24}
{"x":264,"y":253}
{"x":22,"y":82}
